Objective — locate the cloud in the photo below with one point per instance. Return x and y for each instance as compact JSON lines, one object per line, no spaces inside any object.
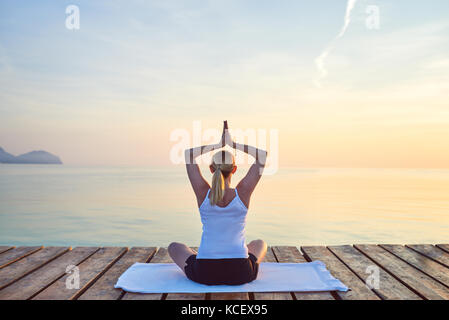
{"x":320,"y":60}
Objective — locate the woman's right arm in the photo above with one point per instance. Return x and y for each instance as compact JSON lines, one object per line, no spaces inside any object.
{"x":247,"y":185}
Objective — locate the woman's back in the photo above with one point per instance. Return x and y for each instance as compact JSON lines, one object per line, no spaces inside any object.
{"x":223,"y":230}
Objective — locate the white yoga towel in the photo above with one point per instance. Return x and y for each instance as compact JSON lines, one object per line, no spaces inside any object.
{"x":272,"y":277}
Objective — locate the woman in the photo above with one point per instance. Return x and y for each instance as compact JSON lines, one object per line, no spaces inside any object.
{"x":223,"y":256}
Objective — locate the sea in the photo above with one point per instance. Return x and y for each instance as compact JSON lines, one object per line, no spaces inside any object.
{"x":148,"y":206}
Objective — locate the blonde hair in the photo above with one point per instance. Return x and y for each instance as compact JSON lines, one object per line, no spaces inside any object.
{"x":223,"y":162}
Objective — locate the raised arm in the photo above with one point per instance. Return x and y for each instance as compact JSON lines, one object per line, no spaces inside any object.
{"x":199,"y":184}
{"x":247,"y":185}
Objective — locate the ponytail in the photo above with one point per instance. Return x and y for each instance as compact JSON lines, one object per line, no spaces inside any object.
{"x":223,"y":163}
{"x":218,"y":186}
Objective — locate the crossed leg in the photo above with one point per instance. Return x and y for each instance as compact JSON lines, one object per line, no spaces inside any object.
{"x":179,"y":253}
{"x":258,"y":248}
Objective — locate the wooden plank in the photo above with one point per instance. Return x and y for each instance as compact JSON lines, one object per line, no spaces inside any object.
{"x":389,"y":288}
{"x":292,"y":254}
{"x":16,"y":254}
{"x":270,"y":257}
{"x":426,"y":265}
{"x":103,"y":288}
{"x":432,"y":252}
{"x":419,"y":282}
{"x":444,"y":247}
{"x":408,"y":272}
{"x":21,"y":268}
{"x":359,"y":291}
{"x":5,"y":248}
{"x":161,"y":256}
{"x":38,"y":280}
{"x":229,"y":296}
{"x":186,"y":296}
{"x":89,"y":271}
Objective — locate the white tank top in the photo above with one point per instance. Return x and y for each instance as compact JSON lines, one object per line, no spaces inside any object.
{"x":223,"y":230}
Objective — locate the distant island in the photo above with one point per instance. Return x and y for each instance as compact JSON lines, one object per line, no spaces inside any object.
{"x":33,"y":157}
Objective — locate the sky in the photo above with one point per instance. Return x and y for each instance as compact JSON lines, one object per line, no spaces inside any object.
{"x":113,"y":91}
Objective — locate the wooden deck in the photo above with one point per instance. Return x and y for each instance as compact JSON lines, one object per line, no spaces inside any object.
{"x":411,"y":272}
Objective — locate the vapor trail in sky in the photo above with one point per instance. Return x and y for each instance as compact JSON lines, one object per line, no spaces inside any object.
{"x":319,"y":61}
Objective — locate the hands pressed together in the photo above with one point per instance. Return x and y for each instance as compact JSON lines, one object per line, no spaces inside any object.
{"x":226,"y":139}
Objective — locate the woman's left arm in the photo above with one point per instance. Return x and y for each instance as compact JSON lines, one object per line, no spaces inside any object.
{"x":199,"y":184}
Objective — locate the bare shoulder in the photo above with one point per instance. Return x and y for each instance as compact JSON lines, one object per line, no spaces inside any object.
{"x":199,"y":184}
{"x":201,"y":194}
{"x":244,"y":195}
{"x":247,"y":185}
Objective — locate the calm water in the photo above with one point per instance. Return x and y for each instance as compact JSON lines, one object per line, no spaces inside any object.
{"x":63,"y":205}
